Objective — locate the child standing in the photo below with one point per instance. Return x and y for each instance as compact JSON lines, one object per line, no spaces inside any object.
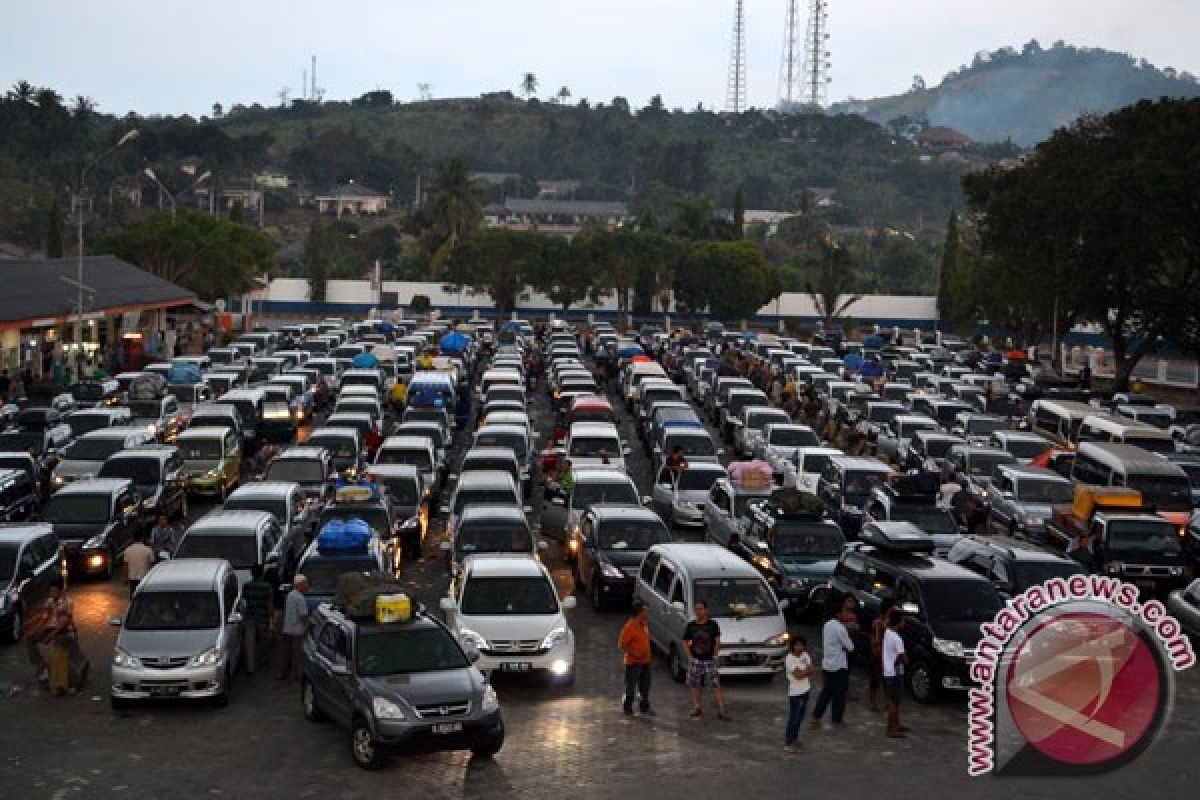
{"x":798,"y":667}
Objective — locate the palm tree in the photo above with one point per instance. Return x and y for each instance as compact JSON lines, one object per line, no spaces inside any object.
{"x":564,"y":94}
{"x":454,"y":209}
{"x":529,"y":85}
{"x":22,"y":91}
{"x":831,"y":282}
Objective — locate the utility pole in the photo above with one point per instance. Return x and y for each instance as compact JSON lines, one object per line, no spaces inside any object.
{"x":791,"y":63}
{"x":816,"y":56}
{"x":735,"y":88}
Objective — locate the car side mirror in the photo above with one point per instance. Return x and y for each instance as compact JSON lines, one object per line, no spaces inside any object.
{"x":647,"y":500}
{"x":678,"y":608}
{"x":543,"y":546}
{"x":446,"y":604}
{"x":236,"y":618}
{"x":340,"y":670}
{"x":114,"y":622}
{"x":446,"y":547}
{"x":912,"y":609}
{"x":472,"y":653}
{"x":568,"y":602}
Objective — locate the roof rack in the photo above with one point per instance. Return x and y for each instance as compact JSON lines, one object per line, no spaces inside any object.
{"x":791,"y":503}
{"x":897,"y":537}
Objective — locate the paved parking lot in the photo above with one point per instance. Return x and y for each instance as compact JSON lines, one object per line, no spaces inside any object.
{"x":568,"y":743}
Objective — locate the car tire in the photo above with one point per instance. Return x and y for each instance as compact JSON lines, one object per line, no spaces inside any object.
{"x":921,"y":683}
{"x":596,"y":595}
{"x":675,"y":665}
{"x":308,"y":700}
{"x":488,"y":746}
{"x":363,"y":747}
{"x":16,"y":626}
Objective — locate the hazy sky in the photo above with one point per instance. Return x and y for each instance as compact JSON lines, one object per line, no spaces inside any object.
{"x":171,"y":56}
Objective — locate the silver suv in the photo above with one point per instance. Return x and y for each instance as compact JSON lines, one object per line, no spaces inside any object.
{"x":1022,"y":499}
{"x":403,"y":685}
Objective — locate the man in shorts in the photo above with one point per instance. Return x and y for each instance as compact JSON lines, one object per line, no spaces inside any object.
{"x":702,"y":637}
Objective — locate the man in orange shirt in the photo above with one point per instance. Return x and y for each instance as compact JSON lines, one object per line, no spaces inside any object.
{"x":635,"y":644}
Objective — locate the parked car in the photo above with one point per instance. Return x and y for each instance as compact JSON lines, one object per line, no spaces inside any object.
{"x":156,"y":471}
{"x":30,"y":563}
{"x":83,"y":458}
{"x":286,"y":502}
{"x":212,"y":460}
{"x":95,"y":520}
{"x":609,"y":546}
{"x":251,"y":541}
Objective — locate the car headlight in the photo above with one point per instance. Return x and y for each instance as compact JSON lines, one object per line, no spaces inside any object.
{"x":210,"y":657}
{"x":490,"y":701}
{"x":57,"y":479}
{"x":150,"y":502}
{"x":610,"y":571}
{"x":386,"y":709}
{"x":468,"y":636}
{"x":949,"y":647}
{"x":124,"y":660}
{"x":778,"y":640}
{"x":212,"y":473}
{"x":1175,"y":571}
{"x":555,"y":636}
{"x":96,"y":542}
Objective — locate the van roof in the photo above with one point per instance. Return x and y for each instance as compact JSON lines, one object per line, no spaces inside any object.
{"x":706,"y":560}
{"x":205,"y":432}
{"x":407,"y":443}
{"x":15,"y":533}
{"x":594,"y":429}
{"x":503,"y":565}
{"x":184,"y":574}
{"x":225,"y":522}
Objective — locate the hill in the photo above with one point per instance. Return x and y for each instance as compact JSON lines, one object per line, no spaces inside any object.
{"x":1025,"y":95}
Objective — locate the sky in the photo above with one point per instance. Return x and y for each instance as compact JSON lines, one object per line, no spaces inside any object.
{"x":177,"y":56}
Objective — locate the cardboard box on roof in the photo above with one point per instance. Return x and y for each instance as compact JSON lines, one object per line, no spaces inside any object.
{"x":1090,"y":498}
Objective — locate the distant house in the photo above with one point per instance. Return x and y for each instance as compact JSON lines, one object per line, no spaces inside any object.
{"x":770,"y":219}
{"x":351,"y":198}
{"x":486,"y":179}
{"x":557,"y":190}
{"x":229,"y":196}
{"x":563,"y":217}
{"x":822,"y":196}
{"x":271,"y":178}
{"x":942,"y":138}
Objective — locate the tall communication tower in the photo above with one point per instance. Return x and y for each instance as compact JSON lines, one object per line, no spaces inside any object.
{"x":816,"y":56}
{"x":735,"y":89}
{"x":791,"y":63}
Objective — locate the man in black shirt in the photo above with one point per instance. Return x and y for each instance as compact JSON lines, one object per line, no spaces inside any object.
{"x":702,"y":637}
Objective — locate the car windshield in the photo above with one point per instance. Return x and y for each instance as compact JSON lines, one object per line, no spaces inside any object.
{"x":1161,"y":420}
{"x":86,"y":423}
{"x":859,"y":484}
{"x":413,"y":457}
{"x":695,"y":480}
{"x":815,"y":462}
{"x":594,"y":446}
{"x":984,"y":464}
{"x":692,"y":445}
{"x":338,"y":447}
{"x":1026,"y":448}
{"x":1033,"y":573}
{"x":78,"y":509}
{"x":960,"y":601}
{"x":504,"y":596}
{"x":141,"y":471}
{"x":403,"y":491}
{"x":323,"y":573}
{"x":1050,"y":493}
{"x":1149,"y":536}
{"x":295,"y":470}
{"x":492,"y":537}
{"x":173,"y":611}
{"x":93,"y":449}
{"x":401,"y":651}
{"x":638,"y":536}
{"x":8,"y":562}
{"x":938,"y":448}
{"x":930,"y":519}
{"x":513,"y":441}
{"x":30,"y":441}
{"x":239,"y":550}
{"x":798,"y":539}
{"x":757,"y":422}
{"x":376,"y":517}
{"x":1163,"y":492}
{"x":794,"y":437}
{"x":590,"y":415}
{"x":605,"y":493}
{"x":425,"y":415}
{"x":1163,"y":446}
{"x":981,"y":426}
{"x":1193,"y":473}
{"x":736,"y":597}
{"x":145,"y":409}
{"x":484,"y":497}
{"x":883,"y":414}
{"x":277,"y":507}
{"x":201,"y":449}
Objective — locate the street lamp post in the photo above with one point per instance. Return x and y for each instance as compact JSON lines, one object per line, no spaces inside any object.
{"x":79,"y":286}
{"x":149,"y":173}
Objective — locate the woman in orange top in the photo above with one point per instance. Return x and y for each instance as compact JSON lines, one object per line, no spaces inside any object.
{"x":635,"y":644}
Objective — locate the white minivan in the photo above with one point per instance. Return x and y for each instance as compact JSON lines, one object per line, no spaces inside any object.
{"x":505,"y":606}
{"x":595,"y":444}
{"x":673,"y":577}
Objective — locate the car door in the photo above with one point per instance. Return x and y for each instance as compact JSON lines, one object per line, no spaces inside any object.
{"x":663,"y":495}
{"x":677,"y":620}
{"x":333,"y":651}
{"x":664,"y":576}
{"x":49,"y":563}
{"x":231,"y":595}
{"x":232,"y":461}
{"x":126,"y":519}
{"x":646,"y":594}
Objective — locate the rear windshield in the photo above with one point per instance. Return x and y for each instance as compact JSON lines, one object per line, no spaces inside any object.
{"x":85,"y":423}
{"x":141,"y":471}
{"x":611,"y":494}
{"x":78,"y":509}
{"x":295,"y":470}
{"x":93,"y":449}
{"x":594,"y":447}
{"x":414,"y":457}
{"x":484,"y":497}
{"x":631,"y":535}
{"x":699,"y":479}
{"x":202,"y":449}
{"x":338,"y":447}
{"x":799,"y":539}
{"x":494,"y":538}
{"x":692,"y":445}
{"x":173,"y":611}
{"x":794,"y":437}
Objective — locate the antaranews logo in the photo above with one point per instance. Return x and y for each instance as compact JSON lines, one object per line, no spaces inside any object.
{"x":1075,"y":676}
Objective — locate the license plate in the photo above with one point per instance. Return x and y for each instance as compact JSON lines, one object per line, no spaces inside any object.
{"x":442,"y":728}
{"x":164,"y":691}
{"x":742,"y":658}
{"x":1145,"y":584}
{"x":516,"y":666}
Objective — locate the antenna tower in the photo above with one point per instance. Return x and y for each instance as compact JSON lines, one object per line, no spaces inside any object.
{"x":816,"y":56}
{"x":791,"y":63}
{"x":735,"y":89}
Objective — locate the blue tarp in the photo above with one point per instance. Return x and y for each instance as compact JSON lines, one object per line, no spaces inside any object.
{"x":871,"y":369}
{"x":873,"y":342}
{"x":630,"y":351}
{"x":454,"y":342}
{"x":365,"y":361}
{"x":853,"y":361}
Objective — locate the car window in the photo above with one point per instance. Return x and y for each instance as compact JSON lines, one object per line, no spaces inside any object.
{"x":230,"y":592}
{"x":662,"y":580}
{"x":649,"y":564}
{"x":677,"y":592}
{"x":331,"y":642}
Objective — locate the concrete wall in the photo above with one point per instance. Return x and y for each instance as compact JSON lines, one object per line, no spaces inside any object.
{"x":290,"y":295}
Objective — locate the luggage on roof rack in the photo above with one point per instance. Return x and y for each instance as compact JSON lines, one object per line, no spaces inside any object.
{"x":901,"y":537}
{"x":147,"y":386}
{"x":751,"y":474}
{"x":344,"y":535}
{"x":358,"y":592}
{"x":792,"y":502}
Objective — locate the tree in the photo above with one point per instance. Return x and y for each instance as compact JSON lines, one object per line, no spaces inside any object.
{"x":54,"y":231}
{"x":567,"y":272}
{"x":498,"y":262}
{"x":316,"y":261}
{"x":832,"y":282}
{"x":948,"y":309}
{"x":564,"y":94}
{"x":739,"y":214}
{"x":451,"y":213}
{"x":529,"y":85}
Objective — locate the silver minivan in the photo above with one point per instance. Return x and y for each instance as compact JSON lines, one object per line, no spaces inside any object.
{"x":673,"y":577}
{"x":182,"y":634}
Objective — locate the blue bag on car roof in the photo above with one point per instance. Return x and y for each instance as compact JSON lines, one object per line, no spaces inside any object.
{"x":183,"y":372}
{"x":344,"y":535}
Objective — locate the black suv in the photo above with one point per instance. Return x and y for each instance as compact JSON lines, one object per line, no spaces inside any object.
{"x":95,"y":520}
{"x":795,"y":545}
{"x":608,"y":550}
{"x":944,"y":603}
{"x":1010,"y":564}
{"x":403,"y":685}
{"x":913,"y":498}
{"x":30,"y":564}
{"x":156,"y":471}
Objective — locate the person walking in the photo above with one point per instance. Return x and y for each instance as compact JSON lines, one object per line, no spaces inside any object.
{"x":894,"y":659}
{"x":676,"y":462}
{"x":139,"y":558}
{"x":163,"y":538}
{"x":702,"y":638}
{"x":878,"y":626}
{"x":835,"y":666}
{"x":634,"y":642}
{"x":798,"y":667}
{"x":260,"y":610}
{"x":295,"y":625}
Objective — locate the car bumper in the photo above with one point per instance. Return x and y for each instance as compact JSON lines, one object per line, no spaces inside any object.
{"x":188,"y":683}
{"x":954,"y":674}
{"x":758,"y":661}
{"x":205,"y":485}
{"x":420,"y":735}
{"x":559,"y":662}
